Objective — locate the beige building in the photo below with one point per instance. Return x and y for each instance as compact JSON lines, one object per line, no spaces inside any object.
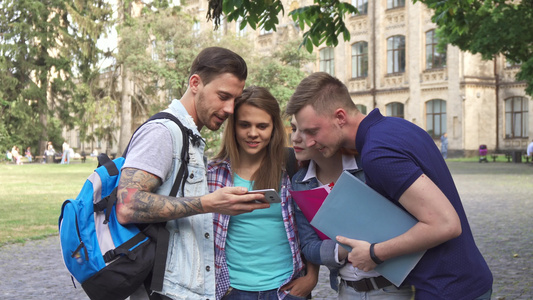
{"x":391,"y":62}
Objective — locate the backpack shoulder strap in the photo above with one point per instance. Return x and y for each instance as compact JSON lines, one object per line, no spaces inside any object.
{"x":187,"y":134}
{"x":163,"y":236}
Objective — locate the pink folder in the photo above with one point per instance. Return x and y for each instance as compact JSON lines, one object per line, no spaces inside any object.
{"x":310,"y":201}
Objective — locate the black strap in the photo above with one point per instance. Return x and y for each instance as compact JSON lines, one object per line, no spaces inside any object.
{"x":104,"y":160}
{"x":125,"y":248}
{"x":162,"y":237}
{"x":158,"y":271}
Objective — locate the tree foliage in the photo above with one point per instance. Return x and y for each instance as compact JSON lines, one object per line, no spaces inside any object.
{"x":44,"y":46}
{"x":489,"y":27}
{"x":158,"y":48}
{"x":324,"y":19}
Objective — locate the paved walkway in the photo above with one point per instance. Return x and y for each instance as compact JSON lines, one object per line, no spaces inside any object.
{"x":498,"y":199}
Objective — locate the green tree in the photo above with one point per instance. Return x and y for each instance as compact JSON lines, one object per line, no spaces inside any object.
{"x":489,"y":27}
{"x":155,"y":51}
{"x":44,"y":45}
{"x":282,"y":72}
{"x":324,"y":19}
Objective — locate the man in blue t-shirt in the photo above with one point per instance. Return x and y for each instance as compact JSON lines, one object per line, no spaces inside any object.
{"x":402,"y":163}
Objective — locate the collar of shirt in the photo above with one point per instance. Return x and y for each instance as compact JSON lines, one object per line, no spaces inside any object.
{"x":189,"y":121}
{"x":348,"y":163}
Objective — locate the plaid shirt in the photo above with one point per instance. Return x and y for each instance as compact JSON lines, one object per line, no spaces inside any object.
{"x":218,"y":176}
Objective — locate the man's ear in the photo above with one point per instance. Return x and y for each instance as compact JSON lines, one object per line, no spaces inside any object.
{"x":340,"y":116}
{"x":194,"y":82}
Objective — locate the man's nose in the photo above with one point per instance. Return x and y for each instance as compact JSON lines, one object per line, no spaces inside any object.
{"x":229,"y":106}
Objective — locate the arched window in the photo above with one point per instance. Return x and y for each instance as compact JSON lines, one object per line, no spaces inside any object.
{"x":395,"y":109}
{"x":516,"y":117}
{"x":436,"y":117}
{"x":361,"y":108}
{"x":434,"y":58}
{"x":396,"y":54}
{"x":360,"y":59}
{"x":327,"y":61}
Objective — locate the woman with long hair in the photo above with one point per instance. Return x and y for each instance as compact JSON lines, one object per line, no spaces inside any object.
{"x":257,"y":254}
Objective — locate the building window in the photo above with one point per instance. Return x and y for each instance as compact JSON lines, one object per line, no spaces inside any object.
{"x":169,"y":51}
{"x":361,"y":108}
{"x":395,"y":3}
{"x":238,"y":31}
{"x":434,"y":58}
{"x":220,"y":31}
{"x":327,"y":61}
{"x":436,"y":117}
{"x":516,"y":117}
{"x":511,"y":64}
{"x":155,"y":56}
{"x":395,"y":109}
{"x":361,"y":5}
{"x":396,"y":54}
{"x":196,"y":27}
{"x":263,"y":31}
{"x":360,"y":59}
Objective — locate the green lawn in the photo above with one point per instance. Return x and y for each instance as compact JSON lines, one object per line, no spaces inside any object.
{"x":31,"y":196}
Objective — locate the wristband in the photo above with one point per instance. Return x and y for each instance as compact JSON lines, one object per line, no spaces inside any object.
{"x":373,"y":255}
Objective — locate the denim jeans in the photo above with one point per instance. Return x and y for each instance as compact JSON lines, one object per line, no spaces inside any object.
{"x":386,"y":293}
{"x":236,"y":294}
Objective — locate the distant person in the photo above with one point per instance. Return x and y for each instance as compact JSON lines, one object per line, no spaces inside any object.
{"x":402,"y":163}
{"x":28,"y":154}
{"x":16,"y":155}
{"x":444,"y":145}
{"x":65,"y":158}
{"x":529,"y":151}
{"x":257,"y":254}
{"x":49,"y":149}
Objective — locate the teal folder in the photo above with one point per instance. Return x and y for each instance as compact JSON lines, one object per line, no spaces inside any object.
{"x":354,"y":210}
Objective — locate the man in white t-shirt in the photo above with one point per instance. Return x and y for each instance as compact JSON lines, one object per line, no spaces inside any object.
{"x":216,"y":78}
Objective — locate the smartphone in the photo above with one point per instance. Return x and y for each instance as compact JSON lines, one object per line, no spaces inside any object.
{"x":271,"y":196}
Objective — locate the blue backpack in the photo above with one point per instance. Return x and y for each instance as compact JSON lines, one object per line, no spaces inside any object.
{"x":111,"y":260}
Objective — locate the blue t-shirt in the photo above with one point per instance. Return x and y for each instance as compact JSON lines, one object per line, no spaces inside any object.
{"x":258,"y":253}
{"x":395,"y":153}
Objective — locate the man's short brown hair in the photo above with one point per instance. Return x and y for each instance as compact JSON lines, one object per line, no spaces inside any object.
{"x":323,"y":92}
{"x":214,"y":61}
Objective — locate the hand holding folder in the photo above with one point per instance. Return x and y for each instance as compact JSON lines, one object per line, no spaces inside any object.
{"x":354,"y":210}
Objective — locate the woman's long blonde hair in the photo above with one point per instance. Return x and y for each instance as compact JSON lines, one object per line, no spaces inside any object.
{"x":269,"y":173}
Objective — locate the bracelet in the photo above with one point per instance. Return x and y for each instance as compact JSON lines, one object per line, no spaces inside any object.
{"x":373,"y":255}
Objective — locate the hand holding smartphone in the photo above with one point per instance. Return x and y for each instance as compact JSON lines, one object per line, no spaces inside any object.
{"x":271,"y":196}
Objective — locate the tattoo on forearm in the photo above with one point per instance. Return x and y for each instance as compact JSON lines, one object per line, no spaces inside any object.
{"x":136,"y":190}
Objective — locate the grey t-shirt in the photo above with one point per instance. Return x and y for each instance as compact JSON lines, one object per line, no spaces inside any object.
{"x":151,"y":150}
